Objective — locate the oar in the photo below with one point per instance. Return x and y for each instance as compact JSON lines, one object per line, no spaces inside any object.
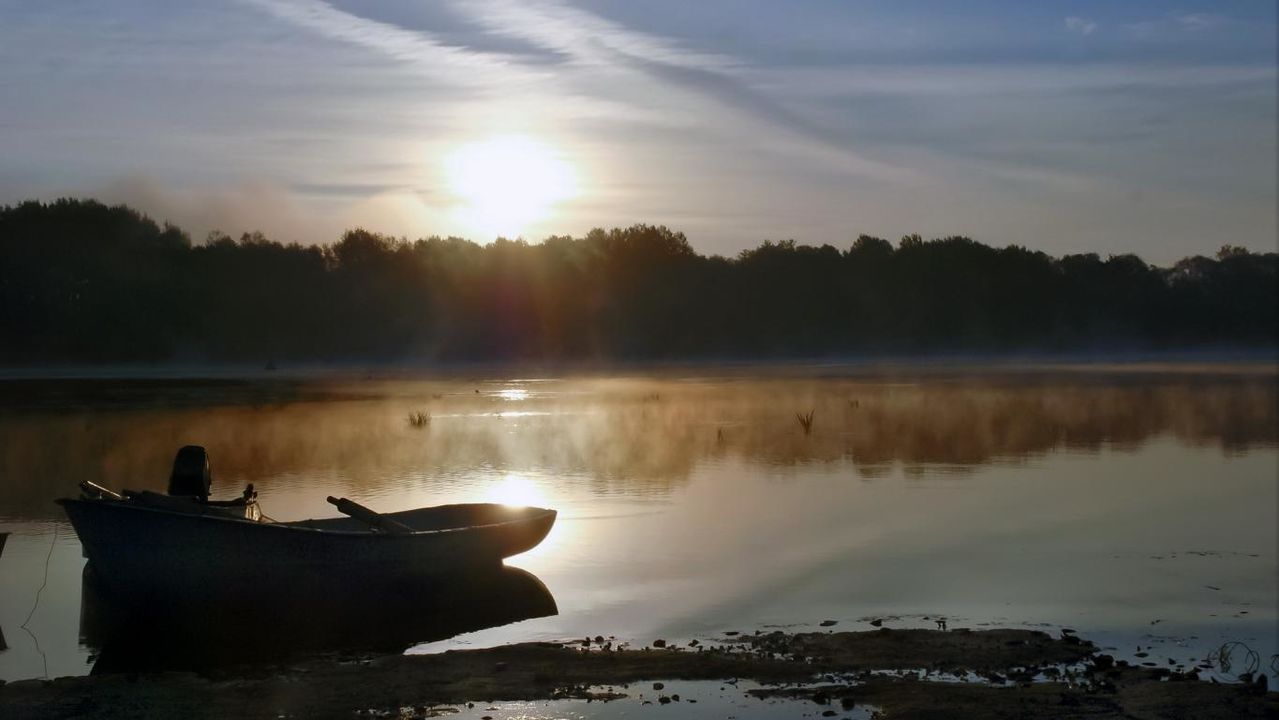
{"x":88,"y":487}
{"x":373,"y":519}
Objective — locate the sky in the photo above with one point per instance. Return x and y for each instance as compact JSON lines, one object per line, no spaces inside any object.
{"x":1144,"y":127}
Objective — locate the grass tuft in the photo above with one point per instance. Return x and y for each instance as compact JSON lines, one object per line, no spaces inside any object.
{"x":419,"y":419}
{"x":805,"y":421}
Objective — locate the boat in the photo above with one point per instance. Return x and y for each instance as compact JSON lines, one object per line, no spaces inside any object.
{"x":146,"y":543}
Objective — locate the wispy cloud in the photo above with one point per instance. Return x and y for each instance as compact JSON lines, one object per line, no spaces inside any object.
{"x":451,"y":63}
{"x":1175,"y":23}
{"x":593,"y":42}
{"x":592,"y":49}
{"x":1195,"y":22}
{"x":582,"y":35}
{"x":1080,"y":25}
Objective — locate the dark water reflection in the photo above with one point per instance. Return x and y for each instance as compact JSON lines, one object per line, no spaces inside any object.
{"x":210,"y":630}
{"x":630,"y":435}
{"x":1111,"y":499}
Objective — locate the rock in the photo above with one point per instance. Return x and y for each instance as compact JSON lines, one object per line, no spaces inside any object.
{"x":828,"y":623}
{"x":659,"y":643}
{"x":877,"y":622}
{"x":658,"y":686}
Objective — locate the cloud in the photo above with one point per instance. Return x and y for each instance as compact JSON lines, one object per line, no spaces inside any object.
{"x":592,"y":42}
{"x":582,"y":35}
{"x":451,"y":63}
{"x":1083,"y":26}
{"x":1176,"y":23}
{"x":1195,"y":22}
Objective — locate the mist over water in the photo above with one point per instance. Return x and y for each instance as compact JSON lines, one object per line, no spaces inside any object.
{"x":1098,"y":498}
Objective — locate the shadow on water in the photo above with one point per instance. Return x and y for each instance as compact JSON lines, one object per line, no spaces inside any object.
{"x":4,"y":536}
{"x":208,"y":631}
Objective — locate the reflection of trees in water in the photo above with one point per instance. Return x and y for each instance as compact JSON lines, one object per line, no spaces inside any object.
{"x":623,"y":436}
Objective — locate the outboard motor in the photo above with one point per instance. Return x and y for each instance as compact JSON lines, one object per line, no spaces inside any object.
{"x":191,"y":475}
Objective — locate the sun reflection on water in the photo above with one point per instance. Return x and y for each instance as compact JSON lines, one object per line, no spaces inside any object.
{"x":513,"y":394}
{"x":517,"y":491}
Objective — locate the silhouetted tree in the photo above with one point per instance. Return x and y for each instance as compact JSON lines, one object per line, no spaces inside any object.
{"x":81,"y":282}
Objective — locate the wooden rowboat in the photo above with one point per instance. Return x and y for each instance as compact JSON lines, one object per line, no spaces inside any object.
{"x":150,"y":543}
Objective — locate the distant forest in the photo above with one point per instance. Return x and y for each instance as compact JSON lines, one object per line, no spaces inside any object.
{"x":84,"y":283}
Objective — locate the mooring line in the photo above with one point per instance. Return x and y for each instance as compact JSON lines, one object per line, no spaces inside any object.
{"x":44,"y":658}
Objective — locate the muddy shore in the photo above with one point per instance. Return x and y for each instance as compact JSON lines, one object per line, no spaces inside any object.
{"x":905,"y":673}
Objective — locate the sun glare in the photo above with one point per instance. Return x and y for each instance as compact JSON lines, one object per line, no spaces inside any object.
{"x":505,"y":184}
{"x":516,"y":490}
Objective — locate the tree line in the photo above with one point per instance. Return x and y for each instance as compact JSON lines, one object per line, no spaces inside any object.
{"x":85,"y":283}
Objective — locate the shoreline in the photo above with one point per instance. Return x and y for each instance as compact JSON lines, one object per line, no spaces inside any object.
{"x":1260,"y":360}
{"x":904,"y":673}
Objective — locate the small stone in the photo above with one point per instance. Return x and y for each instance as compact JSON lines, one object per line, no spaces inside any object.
{"x":658,"y":686}
{"x":877,"y":622}
{"x":828,"y":623}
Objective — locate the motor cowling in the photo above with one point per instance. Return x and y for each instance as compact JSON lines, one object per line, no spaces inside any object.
{"x":191,"y":476}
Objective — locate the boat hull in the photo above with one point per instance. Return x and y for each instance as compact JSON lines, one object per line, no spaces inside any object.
{"x":136,"y":549}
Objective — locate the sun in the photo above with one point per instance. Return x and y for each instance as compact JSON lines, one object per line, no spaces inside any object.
{"x":505,"y":184}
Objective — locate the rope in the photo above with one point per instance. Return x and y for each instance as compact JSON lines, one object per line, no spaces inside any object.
{"x":44,"y":659}
{"x":45,"y":582}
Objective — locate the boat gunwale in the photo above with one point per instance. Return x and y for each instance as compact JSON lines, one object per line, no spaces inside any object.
{"x":290,"y":525}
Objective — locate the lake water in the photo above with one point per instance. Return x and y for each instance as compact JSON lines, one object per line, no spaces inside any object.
{"x":1135,"y":504}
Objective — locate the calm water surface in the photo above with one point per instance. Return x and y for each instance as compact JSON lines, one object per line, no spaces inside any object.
{"x":1136,"y":505}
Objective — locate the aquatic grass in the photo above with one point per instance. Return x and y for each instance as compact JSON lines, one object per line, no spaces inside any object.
{"x":805,"y":421}
{"x":1224,"y":658}
{"x":419,"y":419}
